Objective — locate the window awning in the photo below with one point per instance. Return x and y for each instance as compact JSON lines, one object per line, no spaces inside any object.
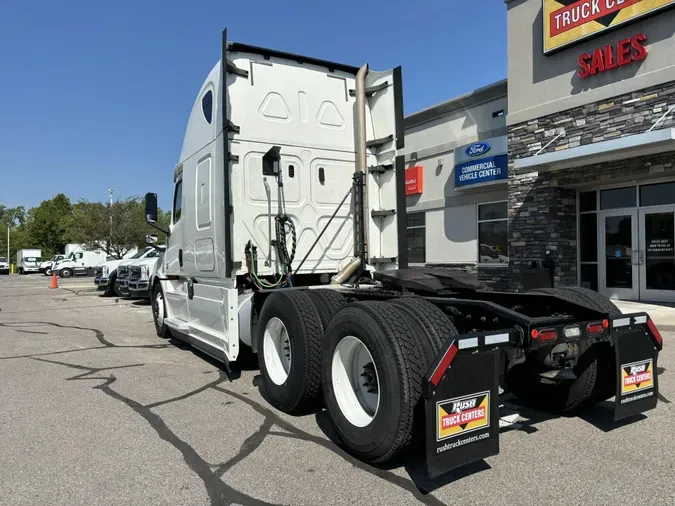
{"x":648,"y":143}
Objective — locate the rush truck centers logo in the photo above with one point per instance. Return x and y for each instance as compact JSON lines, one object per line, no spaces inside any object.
{"x":460,"y":415}
{"x":637,"y":376}
{"x":567,"y":22}
{"x":611,"y":57}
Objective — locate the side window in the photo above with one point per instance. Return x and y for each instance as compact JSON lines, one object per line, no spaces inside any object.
{"x":207,"y":106}
{"x":178,"y":201}
{"x":79,"y":255}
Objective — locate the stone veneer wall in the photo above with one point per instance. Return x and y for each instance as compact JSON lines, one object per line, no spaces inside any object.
{"x":542,"y":211}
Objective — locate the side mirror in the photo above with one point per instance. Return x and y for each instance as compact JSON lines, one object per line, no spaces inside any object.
{"x":151,"y":213}
{"x":151,"y":239}
{"x":151,"y":208}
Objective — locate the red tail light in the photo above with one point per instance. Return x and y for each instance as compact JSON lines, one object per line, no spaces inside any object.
{"x":534,"y":333}
{"x":596,"y":328}
{"x":655,"y":332}
{"x":548,"y":335}
{"x":605,"y":323}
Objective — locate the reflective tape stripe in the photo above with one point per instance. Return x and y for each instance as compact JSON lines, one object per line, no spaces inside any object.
{"x":640,"y":319}
{"x":467,"y":343}
{"x":496,"y":338}
{"x":621,"y":322}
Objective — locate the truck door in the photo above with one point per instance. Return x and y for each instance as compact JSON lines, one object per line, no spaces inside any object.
{"x":174,"y":290}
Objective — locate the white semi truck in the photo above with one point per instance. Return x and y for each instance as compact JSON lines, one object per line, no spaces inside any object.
{"x":79,"y":262}
{"x":28,"y":260}
{"x":287,"y":239}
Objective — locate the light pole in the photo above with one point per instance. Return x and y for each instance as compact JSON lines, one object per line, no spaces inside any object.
{"x":110,"y":193}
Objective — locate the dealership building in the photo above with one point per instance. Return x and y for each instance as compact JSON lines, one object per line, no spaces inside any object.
{"x":573,"y":165}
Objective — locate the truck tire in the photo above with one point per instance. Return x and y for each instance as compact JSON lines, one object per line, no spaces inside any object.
{"x":435,"y":323}
{"x":378,"y":344}
{"x":586,"y":297}
{"x":593,"y":370}
{"x":605,"y":383}
{"x":118,"y":291}
{"x":48,"y":271}
{"x":289,"y":336}
{"x":327,"y":303}
{"x":110,"y":289}
{"x":159,"y":312}
{"x":65,"y":273}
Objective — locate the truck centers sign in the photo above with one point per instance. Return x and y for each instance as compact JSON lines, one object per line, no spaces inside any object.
{"x":567,"y":22}
{"x":481,"y":162}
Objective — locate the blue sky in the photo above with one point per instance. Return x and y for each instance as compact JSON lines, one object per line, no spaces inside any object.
{"x":96,"y":94}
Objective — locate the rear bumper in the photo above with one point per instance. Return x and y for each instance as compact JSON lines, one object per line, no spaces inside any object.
{"x":461,"y":389}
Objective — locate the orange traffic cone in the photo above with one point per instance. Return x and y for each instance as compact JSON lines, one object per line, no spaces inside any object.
{"x":55,"y":283}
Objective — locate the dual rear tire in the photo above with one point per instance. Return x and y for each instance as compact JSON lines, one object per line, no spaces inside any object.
{"x":365,"y":360}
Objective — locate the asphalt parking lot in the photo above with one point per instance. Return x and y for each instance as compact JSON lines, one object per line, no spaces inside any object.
{"x":95,"y":409}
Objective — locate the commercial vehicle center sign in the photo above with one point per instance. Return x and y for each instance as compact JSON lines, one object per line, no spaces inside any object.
{"x":481,"y":162}
{"x":569,"y":21}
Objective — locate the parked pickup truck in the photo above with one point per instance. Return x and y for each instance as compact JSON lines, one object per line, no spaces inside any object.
{"x":140,"y":273}
{"x":113,"y":274}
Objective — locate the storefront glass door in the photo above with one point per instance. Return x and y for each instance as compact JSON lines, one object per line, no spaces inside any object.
{"x":657,"y":253}
{"x":619,"y":255}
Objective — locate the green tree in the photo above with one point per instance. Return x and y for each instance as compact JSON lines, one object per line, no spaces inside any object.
{"x":46,"y":225}
{"x":90,"y":225}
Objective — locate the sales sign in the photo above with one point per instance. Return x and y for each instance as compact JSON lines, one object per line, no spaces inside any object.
{"x":567,"y":22}
{"x":481,"y":162}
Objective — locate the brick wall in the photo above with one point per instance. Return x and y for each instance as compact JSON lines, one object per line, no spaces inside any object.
{"x":542,"y":209}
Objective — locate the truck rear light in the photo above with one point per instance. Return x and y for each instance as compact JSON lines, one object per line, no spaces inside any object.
{"x":595,"y":328}
{"x":570,"y":332}
{"x":534,"y":334}
{"x":605,"y":323}
{"x":548,"y":335}
{"x":655,"y":332}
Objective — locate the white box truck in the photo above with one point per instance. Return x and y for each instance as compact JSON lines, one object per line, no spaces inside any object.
{"x":28,"y":260}
{"x":266,"y":254}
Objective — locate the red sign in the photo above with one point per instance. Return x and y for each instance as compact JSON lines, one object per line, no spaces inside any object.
{"x":414,"y":180}
{"x":610,"y":57}
{"x":579,"y":13}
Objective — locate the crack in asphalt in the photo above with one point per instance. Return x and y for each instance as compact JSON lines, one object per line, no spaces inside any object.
{"x":219,"y":492}
{"x":385,"y":475}
{"x":99,"y":334}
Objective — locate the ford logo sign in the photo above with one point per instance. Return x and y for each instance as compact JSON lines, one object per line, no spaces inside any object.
{"x":477,"y":149}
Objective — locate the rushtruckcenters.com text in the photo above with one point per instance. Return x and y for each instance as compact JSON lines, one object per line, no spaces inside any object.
{"x":461,"y":442}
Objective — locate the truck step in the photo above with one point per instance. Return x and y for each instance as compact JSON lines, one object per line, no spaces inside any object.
{"x":380,"y":213}
{"x":379,"y":142}
{"x":177,"y":324}
{"x":380,"y":169}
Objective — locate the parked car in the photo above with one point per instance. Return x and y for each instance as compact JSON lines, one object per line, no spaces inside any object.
{"x":4,"y":265}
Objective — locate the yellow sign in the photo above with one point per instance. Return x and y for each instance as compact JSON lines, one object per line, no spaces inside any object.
{"x":637,"y":376}
{"x":569,"y":21}
{"x":462,"y":414}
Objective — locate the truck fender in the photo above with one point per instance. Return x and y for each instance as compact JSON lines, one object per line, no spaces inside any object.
{"x":245,"y":320}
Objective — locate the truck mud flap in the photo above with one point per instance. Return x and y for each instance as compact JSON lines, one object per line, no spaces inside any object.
{"x":637,"y":343}
{"x":462,"y":400}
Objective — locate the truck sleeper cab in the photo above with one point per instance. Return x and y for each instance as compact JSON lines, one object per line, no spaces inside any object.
{"x":287,"y":239}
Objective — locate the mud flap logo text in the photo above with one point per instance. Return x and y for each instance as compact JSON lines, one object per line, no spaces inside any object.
{"x":458,"y":416}
{"x":637,"y":376}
